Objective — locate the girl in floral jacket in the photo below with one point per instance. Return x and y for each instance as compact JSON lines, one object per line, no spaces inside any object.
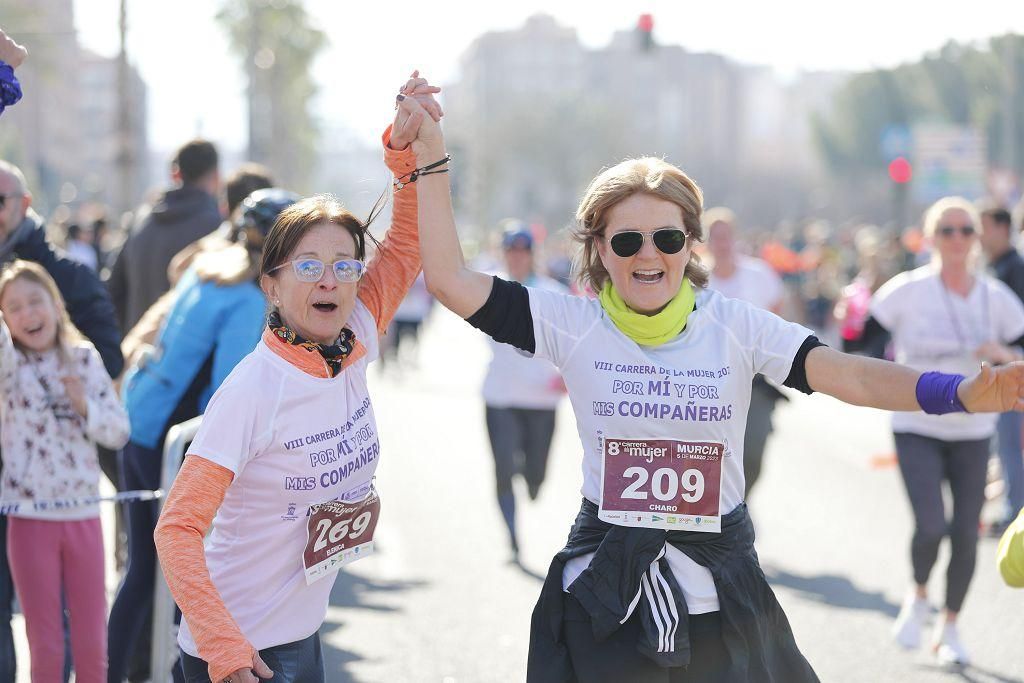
{"x":57,"y":403}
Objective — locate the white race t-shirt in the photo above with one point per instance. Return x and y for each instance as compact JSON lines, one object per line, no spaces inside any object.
{"x":935,"y":329}
{"x":515,"y":379}
{"x":696,"y":387}
{"x":753,"y":281}
{"x":292,"y":440}
{"x":415,"y":307}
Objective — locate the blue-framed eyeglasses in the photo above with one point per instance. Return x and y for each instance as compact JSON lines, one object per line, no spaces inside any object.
{"x":311,"y":269}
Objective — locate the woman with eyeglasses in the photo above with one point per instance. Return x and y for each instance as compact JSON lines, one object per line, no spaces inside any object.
{"x":210,"y":321}
{"x":947,"y":315}
{"x":659,"y":579}
{"x":284,"y":462}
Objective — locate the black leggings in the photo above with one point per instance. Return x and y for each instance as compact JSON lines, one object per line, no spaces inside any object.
{"x":616,"y":659}
{"x":763,"y":398}
{"x":925,"y":462}
{"x":520,"y":441}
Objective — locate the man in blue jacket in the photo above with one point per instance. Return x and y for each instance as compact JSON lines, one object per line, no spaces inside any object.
{"x":1005,"y":262}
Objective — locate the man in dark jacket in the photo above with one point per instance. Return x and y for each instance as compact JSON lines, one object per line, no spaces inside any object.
{"x":23,"y":235}
{"x":179,"y":217}
{"x":1007,"y":265}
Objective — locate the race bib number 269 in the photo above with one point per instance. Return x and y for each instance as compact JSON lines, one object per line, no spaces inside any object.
{"x":339,"y":533}
{"x":662,"y":484}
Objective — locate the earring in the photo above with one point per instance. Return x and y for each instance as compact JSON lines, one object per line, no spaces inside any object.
{"x":277,"y":302}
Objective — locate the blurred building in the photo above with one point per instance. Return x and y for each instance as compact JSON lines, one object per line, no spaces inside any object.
{"x":781,"y":166}
{"x":508,"y":79}
{"x":535,"y":114}
{"x":681,"y":105}
{"x":43,"y":133}
{"x":102,"y":132}
{"x":64,"y":132}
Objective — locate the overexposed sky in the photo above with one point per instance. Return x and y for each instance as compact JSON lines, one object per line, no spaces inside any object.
{"x":196,"y":85}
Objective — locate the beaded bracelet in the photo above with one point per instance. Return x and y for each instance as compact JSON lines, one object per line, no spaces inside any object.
{"x":426,"y":170}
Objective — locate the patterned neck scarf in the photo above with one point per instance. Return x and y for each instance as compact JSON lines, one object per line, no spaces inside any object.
{"x":333,"y":354}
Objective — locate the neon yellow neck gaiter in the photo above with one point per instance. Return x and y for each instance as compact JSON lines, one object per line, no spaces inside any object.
{"x":649,"y":330}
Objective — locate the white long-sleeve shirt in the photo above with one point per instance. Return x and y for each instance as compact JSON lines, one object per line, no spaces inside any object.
{"x":49,"y":450}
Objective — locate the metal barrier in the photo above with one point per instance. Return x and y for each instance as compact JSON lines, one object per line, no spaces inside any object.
{"x":165,"y":646}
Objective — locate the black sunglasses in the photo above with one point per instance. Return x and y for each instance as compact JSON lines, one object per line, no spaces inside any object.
{"x":949,"y":230}
{"x":628,"y":242}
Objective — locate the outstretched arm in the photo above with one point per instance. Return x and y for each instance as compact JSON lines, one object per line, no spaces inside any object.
{"x":461,"y":290}
{"x":891,"y":386}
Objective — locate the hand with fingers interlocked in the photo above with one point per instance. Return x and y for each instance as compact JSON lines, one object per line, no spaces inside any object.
{"x":415,"y":104}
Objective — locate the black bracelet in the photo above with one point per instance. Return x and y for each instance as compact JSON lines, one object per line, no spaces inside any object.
{"x":426,"y":170}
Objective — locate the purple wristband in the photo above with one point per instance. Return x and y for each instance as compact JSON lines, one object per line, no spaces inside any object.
{"x":936,"y":393}
{"x":10,"y":88}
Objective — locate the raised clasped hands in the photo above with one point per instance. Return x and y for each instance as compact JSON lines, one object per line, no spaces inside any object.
{"x":416,"y":109}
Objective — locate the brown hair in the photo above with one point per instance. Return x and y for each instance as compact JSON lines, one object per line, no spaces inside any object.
{"x":67,"y":333}
{"x":195,"y":159}
{"x":646,"y":175}
{"x":294,"y":222}
{"x":248,"y":178}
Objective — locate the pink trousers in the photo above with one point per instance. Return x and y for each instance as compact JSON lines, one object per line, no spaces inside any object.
{"x":53,"y":558}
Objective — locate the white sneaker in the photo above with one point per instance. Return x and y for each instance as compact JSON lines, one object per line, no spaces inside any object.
{"x":911,"y":621}
{"x":948,"y":648}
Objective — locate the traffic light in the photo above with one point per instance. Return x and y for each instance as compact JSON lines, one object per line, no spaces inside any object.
{"x":900,"y":171}
{"x":645,"y":31}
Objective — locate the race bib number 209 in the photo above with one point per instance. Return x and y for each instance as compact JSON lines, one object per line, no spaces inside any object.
{"x":662,"y":484}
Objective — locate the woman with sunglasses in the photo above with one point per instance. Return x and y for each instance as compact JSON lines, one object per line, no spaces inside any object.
{"x":284,"y":462}
{"x":947,"y":315}
{"x":659,"y":579}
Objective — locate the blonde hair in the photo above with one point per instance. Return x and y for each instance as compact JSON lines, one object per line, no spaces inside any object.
{"x":645,"y":175}
{"x":67,"y":334}
{"x":934,"y":214}
{"x":717,"y":214}
{"x":231,"y":264}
